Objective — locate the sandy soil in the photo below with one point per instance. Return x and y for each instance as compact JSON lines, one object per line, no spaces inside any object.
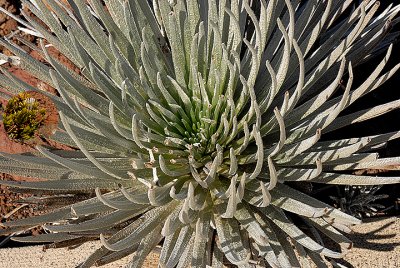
{"x":376,"y":244}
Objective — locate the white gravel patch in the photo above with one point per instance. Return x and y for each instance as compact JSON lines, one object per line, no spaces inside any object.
{"x":35,"y":257}
{"x":376,"y":245}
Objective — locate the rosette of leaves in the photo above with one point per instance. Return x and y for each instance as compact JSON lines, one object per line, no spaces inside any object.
{"x":190,"y":117}
{"x":359,"y":201}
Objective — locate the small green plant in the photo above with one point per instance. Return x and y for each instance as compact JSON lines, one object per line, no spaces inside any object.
{"x":359,"y":201}
{"x":22,"y":117}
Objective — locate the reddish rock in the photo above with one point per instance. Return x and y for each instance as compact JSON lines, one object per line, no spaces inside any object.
{"x":7,"y":25}
{"x":53,"y":52}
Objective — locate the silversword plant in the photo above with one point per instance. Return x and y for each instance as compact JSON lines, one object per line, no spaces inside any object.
{"x":189,"y":118}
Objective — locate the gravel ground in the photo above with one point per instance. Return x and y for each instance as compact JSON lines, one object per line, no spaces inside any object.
{"x":376,"y":244}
